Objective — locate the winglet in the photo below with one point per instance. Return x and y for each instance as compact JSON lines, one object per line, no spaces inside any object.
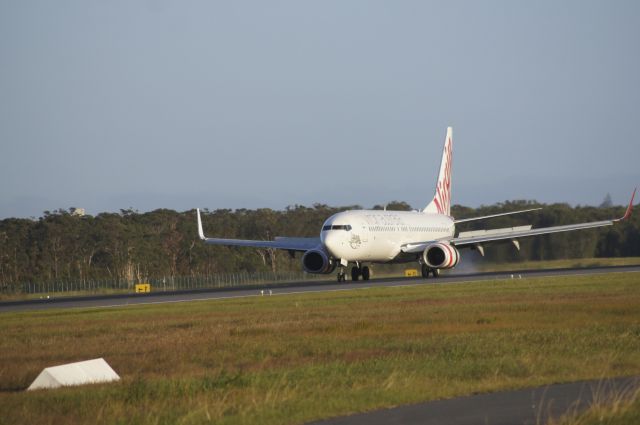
{"x":200,"y":232}
{"x":627,"y":214}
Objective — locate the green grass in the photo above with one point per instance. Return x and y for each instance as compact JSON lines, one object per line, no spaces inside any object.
{"x":295,"y":358}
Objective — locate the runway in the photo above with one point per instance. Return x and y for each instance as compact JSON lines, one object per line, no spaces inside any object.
{"x":523,"y":407}
{"x":106,"y":301}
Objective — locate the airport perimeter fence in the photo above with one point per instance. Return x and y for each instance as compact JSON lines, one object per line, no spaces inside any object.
{"x":168,"y":283}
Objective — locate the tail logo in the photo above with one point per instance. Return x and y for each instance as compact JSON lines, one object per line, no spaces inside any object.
{"x":442,"y":198}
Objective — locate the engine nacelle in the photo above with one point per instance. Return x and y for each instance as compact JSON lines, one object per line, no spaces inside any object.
{"x":317,"y":261}
{"x":441,"y":255}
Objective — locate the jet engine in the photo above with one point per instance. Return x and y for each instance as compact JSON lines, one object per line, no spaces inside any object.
{"x":317,"y":261}
{"x":441,"y":255}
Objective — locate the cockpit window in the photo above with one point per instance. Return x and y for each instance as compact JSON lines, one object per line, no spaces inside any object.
{"x":346,"y":227}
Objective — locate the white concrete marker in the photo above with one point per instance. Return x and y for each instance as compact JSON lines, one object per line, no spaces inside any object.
{"x":80,"y":373}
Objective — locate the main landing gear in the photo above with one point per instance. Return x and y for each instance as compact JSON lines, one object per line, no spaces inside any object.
{"x":426,"y":270}
{"x":357,"y":272}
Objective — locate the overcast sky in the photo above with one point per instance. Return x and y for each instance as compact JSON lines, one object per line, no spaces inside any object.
{"x":181,"y":104}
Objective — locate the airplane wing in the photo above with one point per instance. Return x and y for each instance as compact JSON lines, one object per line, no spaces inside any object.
{"x":478,"y":237}
{"x":289,"y":244}
{"x":465,"y":238}
{"x":464,"y":220}
{"x":513,"y":233}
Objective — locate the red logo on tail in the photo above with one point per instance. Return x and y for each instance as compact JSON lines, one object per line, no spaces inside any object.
{"x":442,"y":198}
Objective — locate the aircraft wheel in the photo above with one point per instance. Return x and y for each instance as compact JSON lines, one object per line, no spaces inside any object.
{"x":425,"y":271}
{"x":355,"y":273}
{"x":436,"y":272}
{"x":366,"y":273}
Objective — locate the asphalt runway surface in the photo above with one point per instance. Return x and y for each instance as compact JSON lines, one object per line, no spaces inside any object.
{"x":122,"y":300}
{"x":522,"y":407}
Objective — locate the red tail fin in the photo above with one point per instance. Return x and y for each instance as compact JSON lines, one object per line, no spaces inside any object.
{"x":441,"y":202}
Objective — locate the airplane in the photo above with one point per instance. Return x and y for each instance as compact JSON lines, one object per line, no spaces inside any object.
{"x":426,"y":236}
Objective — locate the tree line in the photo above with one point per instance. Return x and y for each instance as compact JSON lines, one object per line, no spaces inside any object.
{"x":136,"y":246}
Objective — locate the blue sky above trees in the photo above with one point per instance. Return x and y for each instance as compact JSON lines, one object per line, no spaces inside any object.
{"x":150,"y":104}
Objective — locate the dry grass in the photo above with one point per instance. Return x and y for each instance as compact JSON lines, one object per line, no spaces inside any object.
{"x":295,"y":358}
{"x":621,"y":407}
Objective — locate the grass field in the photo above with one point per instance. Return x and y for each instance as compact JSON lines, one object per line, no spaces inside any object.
{"x":292,"y":359}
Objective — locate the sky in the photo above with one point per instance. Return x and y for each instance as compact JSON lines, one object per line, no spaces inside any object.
{"x":108,"y":105}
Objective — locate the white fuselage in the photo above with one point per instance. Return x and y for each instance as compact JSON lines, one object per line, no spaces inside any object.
{"x":378,"y":236}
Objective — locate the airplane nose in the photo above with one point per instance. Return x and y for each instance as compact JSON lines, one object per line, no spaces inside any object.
{"x":331,"y":242}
